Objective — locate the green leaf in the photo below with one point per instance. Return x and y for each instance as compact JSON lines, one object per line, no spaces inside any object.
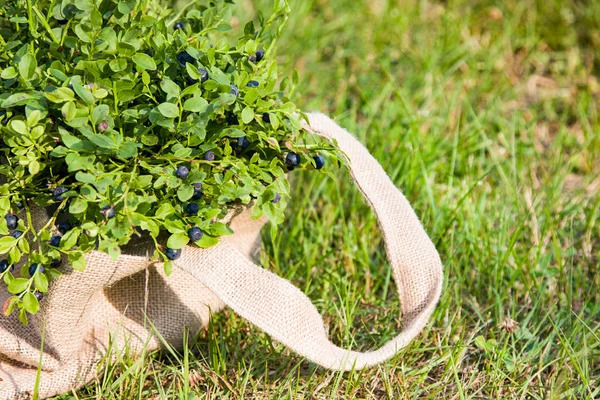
{"x":69,"y":239}
{"x":184,"y":193}
{"x":9,"y":73}
{"x":178,"y":240}
{"x":23,"y":316}
{"x":168,"y":267}
{"x":207,"y":241}
{"x":78,"y":206}
{"x":100,"y":113}
{"x":77,"y":261}
{"x":247,"y":115}
{"x":30,"y":303}
{"x":84,"y":93}
{"x":7,"y":243}
{"x":144,"y":61}
{"x":41,"y":282}
{"x":118,"y":65}
{"x":27,"y":66}
{"x":165,"y":210}
{"x":170,"y":88}
{"x":168,"y":110}
{"x":18,"y":126}
{"x":220,"y":229}
{"x":18,"y":285}
{"x":195,"y":104}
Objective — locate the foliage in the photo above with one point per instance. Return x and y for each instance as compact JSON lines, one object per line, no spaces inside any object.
{"x":121,"y":122}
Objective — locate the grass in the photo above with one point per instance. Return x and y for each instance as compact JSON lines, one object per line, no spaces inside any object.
{"x":487,"y":117}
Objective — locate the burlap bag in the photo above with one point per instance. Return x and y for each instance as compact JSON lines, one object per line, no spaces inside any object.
{"x":116,"y":300}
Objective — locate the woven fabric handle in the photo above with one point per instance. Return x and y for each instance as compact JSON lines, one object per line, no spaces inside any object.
{"x":280,"y":309}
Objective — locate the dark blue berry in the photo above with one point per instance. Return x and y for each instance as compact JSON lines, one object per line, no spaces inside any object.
{"x":16,"y":234}
{"x":203,"y":74}
{"x":58,"y":193}
{"x":319,"y":161}
{"x":192,"y":208}
{"x":234,"y":90}
{"x":231,"y":118}
{"x":178,"y":25}
{"x":276,"y":198}
{"x":182,"y":172}
{"x":64,"y":227}
{"x":242,"y":143}
{"x":195,"y":234}
{"x":70,"y":86}
{"x":292,"y":160}
{"x":4,"y":117}
{"x":12,"y":221}
{"x":38,"y":295}
{"x":197,"y":191}
{"x":108,"y":212}
{"x":56,"y":263}
{"x":183,"y":58}
{"x":259,"y":55}
{"x":36,"y":267}
{"x":19,"y":206}
{"x":252,"y":84}
{"x":267,"y":118}
{"x":252,"y":58}
{"x":209,"y":156}
{"x":55,"y":241}
{"x":3,"y":266}
{"x":173,"y":254}
{"x":149,"y":52}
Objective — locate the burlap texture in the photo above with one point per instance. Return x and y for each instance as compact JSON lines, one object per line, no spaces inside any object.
{"x":111,"y":299}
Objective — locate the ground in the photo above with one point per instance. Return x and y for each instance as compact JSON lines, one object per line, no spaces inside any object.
{"x":486,"y":115}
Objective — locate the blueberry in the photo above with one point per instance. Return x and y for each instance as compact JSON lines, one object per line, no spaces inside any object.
{"x":3,"y":266}
{"x":183,"y":58}
{"x":203,"y":74}
{"x":149,"y":52}
{"x":252,"y":84}
{"x":192,"y":208}
{"x":56,"y":263}
{"x":252,"y":58}
{"x":209,"y":156}
{"x":19,"y":206}
{"x":5,"y":120}
{"x":276,"y":198}
{"x":70,"y":86}
{"x":173,"y":254}
{"x":242,"y":143}
{"x":195,"y":234}
{"x":38,"y":295}
{"x":231,"y":119}
{"x":64,"y":227}
{"x":108,"y":212}
{"x":178,"y":25}
{"x":58,"y":193}
{"x":259,"y":55}
{"x":182,"y":172}
{"x":55,"y":241}
{"x":292,"y":159}
{"x":197,"y":191}
{"x":234,"y":90}
{"x":319,"y":161}
{"x":16,"y":234}
{"x":12,"y":221}
{"x":33,"y":268}
{"x":267,"y":118}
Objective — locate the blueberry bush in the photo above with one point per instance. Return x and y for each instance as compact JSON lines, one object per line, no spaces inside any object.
{"x":126,"y":118}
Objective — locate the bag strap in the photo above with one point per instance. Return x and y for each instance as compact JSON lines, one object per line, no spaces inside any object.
{"x":280,"y":309}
